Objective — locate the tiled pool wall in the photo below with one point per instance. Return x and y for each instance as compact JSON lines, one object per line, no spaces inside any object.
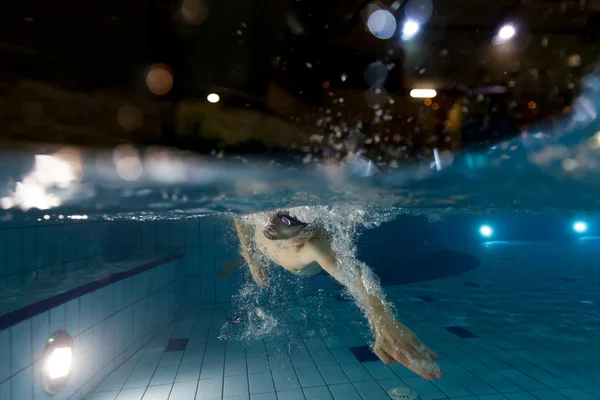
{"x":112,"y":323}
{"x":43,"y":249}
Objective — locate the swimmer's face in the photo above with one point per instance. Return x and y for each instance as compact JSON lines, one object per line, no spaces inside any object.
{"x":282,"y":226}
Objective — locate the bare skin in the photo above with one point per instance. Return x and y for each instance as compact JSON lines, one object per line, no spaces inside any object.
{"x":308,"y":254}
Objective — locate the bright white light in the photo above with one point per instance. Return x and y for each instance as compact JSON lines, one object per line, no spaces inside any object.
{"x":506,"y":32}
{"x":58,"y":364}
{"x":580,"y":227}
{"x":423,"y":93}
{"x":382,"y":24}
{"x":60,"y":170}
{"x":213,"y":98}
{"x":129,"y":168}
{"x":486,"y":230}
{"x":410,"y":29}
{"x":78,"y":217}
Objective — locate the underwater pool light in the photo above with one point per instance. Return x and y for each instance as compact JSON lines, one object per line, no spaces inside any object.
{"x":57,"y":362}
{"x":580,"y":227}
{"x":486,"y":231}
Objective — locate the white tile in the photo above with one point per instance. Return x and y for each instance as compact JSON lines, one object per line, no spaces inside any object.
{"x":261,"y":383}
{"x":297,"y":394}
{"x":333,"y":374}
{"x":104,"y":396}
{"x":188,"y":372}
{"x":263,"y":396}
{"x":235,"y":386}
{"x":140,"y":377}
{"x":356,"y":373}
{"x":309,"y":376}
{"x":210,"y":389}
{"x":371,"y":390}
{"x":193,"y":290}
{"x":184,"y":391}
{"x":235,"y":366}
{"x":131,"y":394}
{"x":344,"y":392}
{"x":5,"y":390}
{"x":157,"y":393}
{"x":207,"y":289}
{"x":212,"y":369}
{"x":207,"y":261}
{"x":20,"y":343}
{"x":257,"y":364}
{"x":192,"y":233}
{"x":207,"y":231}
{"x":22,"y":384}
{"x":317,"y":393}
{"x":425,"y":389}
{"x":449,"y":386}
{"x":171,"y":358}
{"x":164,"y":375}
{"x":192,"y":261}
{"x":4,"y":354}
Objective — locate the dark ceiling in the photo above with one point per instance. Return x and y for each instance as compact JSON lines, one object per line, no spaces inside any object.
{"x":307,"y":49}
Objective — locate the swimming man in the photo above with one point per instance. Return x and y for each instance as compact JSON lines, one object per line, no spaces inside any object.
{"x":306,"y":249}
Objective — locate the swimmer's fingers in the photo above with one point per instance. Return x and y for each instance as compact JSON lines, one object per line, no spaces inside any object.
{"x":420,"y":351}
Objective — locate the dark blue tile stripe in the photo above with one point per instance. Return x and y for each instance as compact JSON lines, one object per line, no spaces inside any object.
{"x":427,"y":299}
{"x":460,"y":332}
{"x":363,"y":354}
{"x":14,"y":317}
{"x":176,"y":345}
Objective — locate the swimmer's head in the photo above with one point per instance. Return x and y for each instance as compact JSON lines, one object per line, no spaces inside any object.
{"x":283,"y":226}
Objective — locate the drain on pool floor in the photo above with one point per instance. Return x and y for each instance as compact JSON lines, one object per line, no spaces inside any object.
{"x":402,"y":394}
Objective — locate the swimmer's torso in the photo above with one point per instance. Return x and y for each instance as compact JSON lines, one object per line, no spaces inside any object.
{"x":291,"y":254}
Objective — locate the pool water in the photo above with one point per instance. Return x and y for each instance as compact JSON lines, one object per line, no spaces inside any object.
{"x":522,"y":325}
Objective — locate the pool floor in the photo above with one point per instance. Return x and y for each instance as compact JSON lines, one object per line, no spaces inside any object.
{"x":524,"y":325}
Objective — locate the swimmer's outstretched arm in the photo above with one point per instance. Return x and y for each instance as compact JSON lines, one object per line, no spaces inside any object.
{"x":393,"y":340}
{"x":258,"y":269}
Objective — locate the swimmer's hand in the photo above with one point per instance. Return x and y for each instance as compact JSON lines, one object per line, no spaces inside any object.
{"x":395,"y":342}
{"x":259,"y":273}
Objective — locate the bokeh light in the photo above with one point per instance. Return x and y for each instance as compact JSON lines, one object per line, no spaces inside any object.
{"x":486,"y":231}
{"x":129,"y":168}
{"x":127,"y":161}
{"x":159,"y":79}
{"x":419,"y":10}
{"x":382,"y":24}
{"x":194,"y":11}
{"x":580,"y":227}
{"x":213,"y":98}
{"x":506,"y":32}
{"x":410,"y":29}
{"x":423,"y":93}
